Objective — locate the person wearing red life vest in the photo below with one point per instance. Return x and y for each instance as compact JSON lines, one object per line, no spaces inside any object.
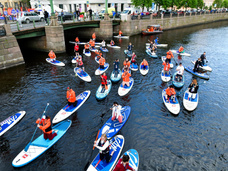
{"x":133,"y":58}
{"x":112,"y":43}
{"x":45,"y":125}
{"x":71,"y":97}
{"x":104,"y":80}
{"x":76,"y":48}
{"x":123,"y":164}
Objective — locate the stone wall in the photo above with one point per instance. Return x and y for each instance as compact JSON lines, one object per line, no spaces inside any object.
{"x":132,"y":27}
{"x":10,"y":53}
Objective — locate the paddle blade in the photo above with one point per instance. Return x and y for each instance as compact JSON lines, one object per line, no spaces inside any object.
{"x":27,"y":147}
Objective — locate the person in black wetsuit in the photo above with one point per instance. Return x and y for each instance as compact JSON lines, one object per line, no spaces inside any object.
{"x":198,"y":63}
{"x":203,"y":57}
{"x":193,"y":89}
{"x":116,"y":66}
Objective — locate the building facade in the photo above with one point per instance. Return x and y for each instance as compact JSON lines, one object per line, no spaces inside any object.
{"x":16,"y":4}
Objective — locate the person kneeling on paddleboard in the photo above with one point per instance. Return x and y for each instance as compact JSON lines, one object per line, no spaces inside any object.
{"x":71,"y":97}
{"x":46,"y":128}
{"x":80,"y":64}
{"x":170,"y":93}
{"x":102,"y":62}
{"x":120,"y":33}
{"x":126,"y":64}
{"x":116,"y":114}
{"x":116,"y":66}
{"x":103,"y":145}
{"x":52,"y":55}
{"x":193,"y":89}
{"x":104,"y":80}
{"x":112,"y":43}
{"x":180,"y":72}
{"x":86,"y":48}
{"x":166,"y":67}
{"x":198,"y":63}
{"x":181,"y":49}
{"x":133,"y":61}
{"x":123,"y":164}
{"x":144,"y":64}
{"x":126,"y":78}
{"x":103,"y":45}
{"x":169,"y":55}
{"x":93,"y":44}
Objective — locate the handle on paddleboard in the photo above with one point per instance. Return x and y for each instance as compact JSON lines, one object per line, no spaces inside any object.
{"x":27,"y":147}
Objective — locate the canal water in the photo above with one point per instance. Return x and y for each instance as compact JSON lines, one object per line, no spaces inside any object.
{"x":190,"y":141}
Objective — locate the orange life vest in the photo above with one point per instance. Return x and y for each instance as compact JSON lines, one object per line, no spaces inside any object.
{"x":46,"y":128}
{"x":71,"y":96}
{"x":93,"y":44}
{"x":86,"y":46}
{"x":126,"y":76}
{"x":170,"y":91}
{"x":94,"y":36}
{"x":52,"y":55}
{"x":145,"y":63}
{"x":76,"y":39}
{"x":102,"y":61}
{"x":127,"y":63}
{"x":120,"y":33}
{"x":166,"y":67}
{"x":181,"y":49}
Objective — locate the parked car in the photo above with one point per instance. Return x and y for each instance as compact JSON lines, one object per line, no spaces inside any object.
{"x":27,"y":17}
{"x":66,"y":16}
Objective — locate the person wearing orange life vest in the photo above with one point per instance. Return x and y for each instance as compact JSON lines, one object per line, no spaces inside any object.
{"x":126,"y":64}
{"x":166,"y":67}
{"x":52,"y":55}
{"x":86,"y":47}
{"x":102,"y":144}
{"x":93,"y":44}
{"x":112,"y":43}
{"x":170,"y":93}
{"x":151,"y":29}
{"x":77,"y":40}
{"x":101,"y":62}
{"x":120,"y":33}
{"x":71,"y":97}
{"x":104,"y":80}
{"x":144,"y":64}
{"x":76,"y":48}
{"x":94,"y":36}
{"x":126,"y":78}
{"x":133,"y":58}
{"x":181,"y":49}
{"x":169,"y":56}
{"x":45,"y":125}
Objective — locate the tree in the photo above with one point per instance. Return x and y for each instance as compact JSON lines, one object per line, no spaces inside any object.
{"x":225,"y":4}
{"x":218,"y":3}
{"x":142,"y":3}
{"x":200,"y":4}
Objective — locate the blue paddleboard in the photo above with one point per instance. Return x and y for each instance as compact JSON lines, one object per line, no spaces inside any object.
{"x":115,"y":77}
{"x":100,"y":71}
{"x":55,"y":62}
{"x":150,"y":54}
{"x":134,"y":67}
{"x":177,"y":82}
{"x":104,"y":50}
{"x":201,"y":75}
{"x":102,"y":92}
{"x":126,"y":52}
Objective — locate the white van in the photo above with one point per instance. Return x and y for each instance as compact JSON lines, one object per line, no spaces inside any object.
{"x":130,"y":11}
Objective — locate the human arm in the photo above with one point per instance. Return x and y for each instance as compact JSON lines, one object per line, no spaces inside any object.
{"x":103,"y":147}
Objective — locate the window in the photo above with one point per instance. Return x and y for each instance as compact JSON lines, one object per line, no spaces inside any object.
{"x":6,"y":5}
{"x":61,"y":6}
{"x":70,"y":7}
{"x":75,"y":8}
{"x":109,"y":5}
{"x":122,"y":7}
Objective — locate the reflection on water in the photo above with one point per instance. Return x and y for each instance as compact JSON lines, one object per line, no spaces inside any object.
{"x":191,"y":141}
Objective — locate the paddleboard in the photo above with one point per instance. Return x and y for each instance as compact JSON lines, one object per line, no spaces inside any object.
{"x":111,"y":128}
{"x":177,"y":82}
{"x":102,"y":92}
{"x":93,"y":49}
{"x":173,"y":107}
{"x":10,"y":122}
{"x":126,"y":52}
{"x":134,"y":67}
{"x":158,"y":45}
{"x":201,"y":75}
{"x":122,"y":91}
{"x":101,"y":71}
{"x":80,"y":43}
{"x":40,"y":145}
{"x":103,"y":50}
{"x":86,"y":53}
{"x":165,"y":77}
{"x":74,"y":59}
{"x":153,"y":55}
{"x":134,"y":159}
{"x":182,"y":53}
{"x":82,"y":74}
{"x":123,"y":71}
{"x":190,"y":104}
{"x":55,"y":62}
{"x":115,"y":77}
{"x":97,"y":60}
{"x":122,"y":37}
{"x":117,"y":144}
{"x":114,"y":46}
{"x":204,"y":67}
{"x":163,"y":58}
{"x":67,"y":110}
{"x":143,"y":71}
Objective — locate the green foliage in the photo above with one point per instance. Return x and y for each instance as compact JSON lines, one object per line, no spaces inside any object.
{"x":210,"y":8}
{"x":206,"y":7}
{"x":218,"y":3}
{"x":200,"y":4}
{"x":142,"y":3}
{"x":225,"y":4}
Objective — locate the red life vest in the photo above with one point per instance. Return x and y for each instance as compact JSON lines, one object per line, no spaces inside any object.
{"x":76,"y":47}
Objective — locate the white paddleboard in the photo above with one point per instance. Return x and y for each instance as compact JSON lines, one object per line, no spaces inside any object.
{"x":114,"y":46}
{"x":122,"y":37}
{"x":143,"y":71}
{"x":82,"y":74}
{"x":158,"y":45}
{"x":191,"y":103}
{"x":122,"y":91}
{"x":182,"y":53}
{"x":55,"y":62}
{"x":173,"y":107}
{"x":165,"y":77}
{"x":101,"y":71}
{"x":68,"y":110}
{"x":205,"y":67}
{"x":87,"y":53}
{"x":163,"y":58}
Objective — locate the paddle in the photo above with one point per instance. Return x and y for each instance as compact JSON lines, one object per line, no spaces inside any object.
{"x":175,"y":61}
{"x":27,"y":147}
{"x":87,"y":164}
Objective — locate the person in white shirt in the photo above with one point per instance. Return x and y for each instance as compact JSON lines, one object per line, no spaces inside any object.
{"x":116,"y":114}
{"x":180,"y":72}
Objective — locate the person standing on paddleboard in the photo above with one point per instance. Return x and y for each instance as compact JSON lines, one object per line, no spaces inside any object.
{"x":166,"y":67}
{"x":80,"y":64}
{"x":133,"y":58}
{"x":103,"y":145}
{"x":123,"y":164}
{"x":120,"y":33}
{"x":94,"y":36}
{"x":45,"y":125}
{"x":126,"y":78}
{"x":116,"y":114}
{"x":112,"y":43}
{"x":169,"y":55}
{"x":71,"y":97}
{"x":180,"y":72}
{"x":77,"y":40}
{"x":116,"y":66}
{"x":198,"y":63}
{"x":104,"y":80}
{"x":170,"y":93}
{"x":101,"y":62}
{"x":181,"y":49}
{"x":52,"y":55}
{"x":76,"y":48}
{"x":103,"y":44}
{"x":193,"y":89}
{"x":203,"y":57}
{"x":126,"y":64}
{"x":86,"y":48}
{"x":129,"y":48}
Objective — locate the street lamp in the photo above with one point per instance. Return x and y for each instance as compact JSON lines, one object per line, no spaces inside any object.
{"x":2,"y":6}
